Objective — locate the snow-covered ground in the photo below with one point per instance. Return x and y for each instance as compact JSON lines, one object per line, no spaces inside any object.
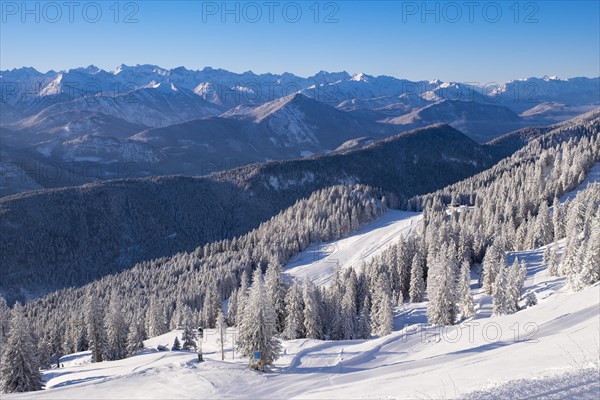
{"x":551,"y":348}
{"x":318,"y":261}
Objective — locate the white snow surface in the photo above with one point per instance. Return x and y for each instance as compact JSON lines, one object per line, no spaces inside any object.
{"x":319,"y":260}
{"x":550,"y":348}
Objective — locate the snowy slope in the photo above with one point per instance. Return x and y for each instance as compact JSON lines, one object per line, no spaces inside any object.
{"x":557,"y":342}
{"x":318,"y":261}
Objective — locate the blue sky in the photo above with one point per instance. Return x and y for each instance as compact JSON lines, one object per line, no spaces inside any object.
{"x":489,"y":41}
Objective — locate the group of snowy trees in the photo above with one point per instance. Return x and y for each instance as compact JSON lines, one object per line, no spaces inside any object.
{"x":507,"y":209}
{"x":113,"y":315}
{"x":20,"y":368}
{"x":580,"y":261}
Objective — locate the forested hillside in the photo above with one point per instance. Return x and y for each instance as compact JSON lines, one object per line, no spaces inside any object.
{"x":71,"y":236}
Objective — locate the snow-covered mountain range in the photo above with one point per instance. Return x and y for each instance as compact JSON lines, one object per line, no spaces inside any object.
{"x":178,"y":121}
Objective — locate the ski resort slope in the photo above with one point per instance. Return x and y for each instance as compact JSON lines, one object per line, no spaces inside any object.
{"x":550,"y":348}
{"x":318,"y":261}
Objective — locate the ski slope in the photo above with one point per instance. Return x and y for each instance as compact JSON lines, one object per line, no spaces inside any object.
{"x":318,"y":261}
{"x":552,"y":347}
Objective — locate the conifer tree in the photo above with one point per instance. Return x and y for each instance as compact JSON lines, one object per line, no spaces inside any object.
{"x":188,"y":337}
{"x":501,"y":303}
{"x":19,"y":371}
{"x":516,"y":279}
{"x":313,"y":325}
{"x":382,"y":316}
{"x":294,"y":320}
{"x":364,"y":321}
{"x":157,"y":322}
{"x":441,"y":309}
{"x":348,"y":317}
{"x":96,"y":334}
{"x":492,"y":262}
{"x":417,"y":280}
{"x":135,"y":338}
{"x":257,"y":328}
{"x":465,"y":298}
{"x":591,"y":262}
{"x":277,"y":290}
{"x":116,"y":330}
{"x":176,"y":344}
{"x":242,"y":297}
{"x":232,"y":307}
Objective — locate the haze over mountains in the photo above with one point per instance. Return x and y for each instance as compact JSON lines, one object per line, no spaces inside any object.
{"x":86,"y":124}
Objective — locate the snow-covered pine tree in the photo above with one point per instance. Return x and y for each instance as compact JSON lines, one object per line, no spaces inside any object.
{"x":501,"y":298}
{"x":188,"y":337}
{"x":277,"y":290}
{"x":553,"y":261}
{"x":157,"y":321}
{"x":417,"y":280}
{"x":19,"y":371}
{"x":176,"y":344}
{"x":210,"y":306}
{"x":44,"y":352}
{"x":382,"y":316}
{"x":242,"y":297}
{"x":558,"y":225}
{"x":257,"y":328}
{"x":349,"y":317}
{"x":516,"y":279}
{"x":590,"y":272}
{"x":544,"y":230}
{"x":116,"y":330}
{"x":364,"y":321}
{"x":403,"y":267}
{"x":492,"y":262}
{"x":56,"y":345}
{"x":135,"y":338}
{"x":81,"y":341}
{"x":465,"y":298}
{"x":232,"y":307}
{"x":294,"y":320}
{"x":94,"y":319}
{"x":4,"y":321}
{"x":313,"y":325}
{"x":333,"y":323}
{"x":441,"y":290}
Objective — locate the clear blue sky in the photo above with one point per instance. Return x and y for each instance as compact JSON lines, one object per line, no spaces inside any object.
{"x":391,"y":38}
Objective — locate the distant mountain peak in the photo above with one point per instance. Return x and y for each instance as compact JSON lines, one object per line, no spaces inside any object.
{"x":360,"y":77}
{"x":551,"y":78}
{"x":140,"y":68}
